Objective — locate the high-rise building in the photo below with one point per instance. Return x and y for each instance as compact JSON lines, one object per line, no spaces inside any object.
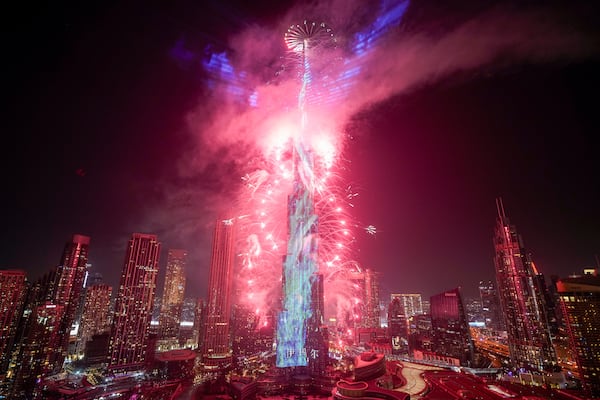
{"x":39,"y":350}
{"x":129,"y":339}
{"x":69,"y":289}
{"x":412,"y":303}
{"x":173,"y":294}
{"x":371,"y":317}
{"x":95,"y":317}
{"x":216,"y":348}
{"x":490,"y":306}
{"x":579,"y":298}
{"x":522,"y":298}
{"x":397,"y":326}
{"x":450,"y":329}
{"x":12,"y":295}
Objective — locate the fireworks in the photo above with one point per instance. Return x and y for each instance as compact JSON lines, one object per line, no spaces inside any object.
{"x":295,"y":221}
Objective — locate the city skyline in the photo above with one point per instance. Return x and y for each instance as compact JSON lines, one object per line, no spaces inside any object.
{"x":427,"y":162}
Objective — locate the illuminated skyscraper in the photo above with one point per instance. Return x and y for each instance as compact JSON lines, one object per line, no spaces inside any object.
{"x":12,"y":295}
{"x":371,"y":317}
{"x":450,"y":329}
{"x":70,"y":278}
{"x":95,"y":318}
{"x":579,"y":298}
{"x":173,"y":292}
{"x":216,"y":348}
{"x":412,"y":303}
{"x":39,"y":350}
{"x":520,"y":289}
{"x":133,"y":306}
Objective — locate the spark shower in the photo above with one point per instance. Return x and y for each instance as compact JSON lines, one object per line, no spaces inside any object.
{"x":293,"y":213}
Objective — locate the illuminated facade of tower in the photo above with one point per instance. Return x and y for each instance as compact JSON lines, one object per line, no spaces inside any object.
{"x":579,"y":298}
{"x":69,"y":289}
{"x":522,"y":299}
{"x":317,"y":338}
{"x":371,"y":316}
{"x":450,"y":329}
{"x":412,"y":303}
{"x":95,"y":317}
{"x":216,"y":348}
{"x":128,"y":345}
{"x":173,"y":294}
{"x":12,"y":295}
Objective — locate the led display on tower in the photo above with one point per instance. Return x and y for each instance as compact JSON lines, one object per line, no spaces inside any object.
{"x":133,"y":306}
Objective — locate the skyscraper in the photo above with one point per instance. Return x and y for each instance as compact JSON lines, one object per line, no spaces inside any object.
{"x":133,"y":306}
{"x":412,"y":303}
{"x":451,"y":335}
{"x":490,"y":306}
{"x":69,"y":288}
{"x":579,"y":298}
{"x":520,"y":288}
{"x":173,"y":294}
{"x":371,"y":318}
{"x":397,"y":326}
{"x":95,"y":316}
{"x":216,"y":349}
{"x":12,"y":296}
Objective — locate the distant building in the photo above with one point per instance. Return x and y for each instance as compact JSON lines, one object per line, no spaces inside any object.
{"x":173,"y":294}
{"x":522,"y":298}
{"x":412,"y":303}
{"x":490,"y":306}
{"x":216,"y":347}
{"x":371,"y":318}
{"x":579,"y":298}
{"x":450,"y":329}
{"x":129,"y":339}
{"x":397,"y":326}
{"x":13,"y":288}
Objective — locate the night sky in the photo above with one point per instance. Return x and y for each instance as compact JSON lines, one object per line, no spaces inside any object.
{"x":496,"y":99}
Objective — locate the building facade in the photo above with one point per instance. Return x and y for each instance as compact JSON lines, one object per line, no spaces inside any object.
{"x":522,"y":298}
{"x":12,"y":297}
{"x":579,"y":298}
{"x":173,"y":294}
{"x":95,"y":317}
{"x":129,"y":339}
{"x":490,"y":306}
{"x":69,"y":290}
{"x":450,"y":329}
{"x":216,"y":348}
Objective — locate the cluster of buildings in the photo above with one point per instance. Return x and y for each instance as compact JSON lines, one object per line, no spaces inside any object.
{"x":70,"y":320}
